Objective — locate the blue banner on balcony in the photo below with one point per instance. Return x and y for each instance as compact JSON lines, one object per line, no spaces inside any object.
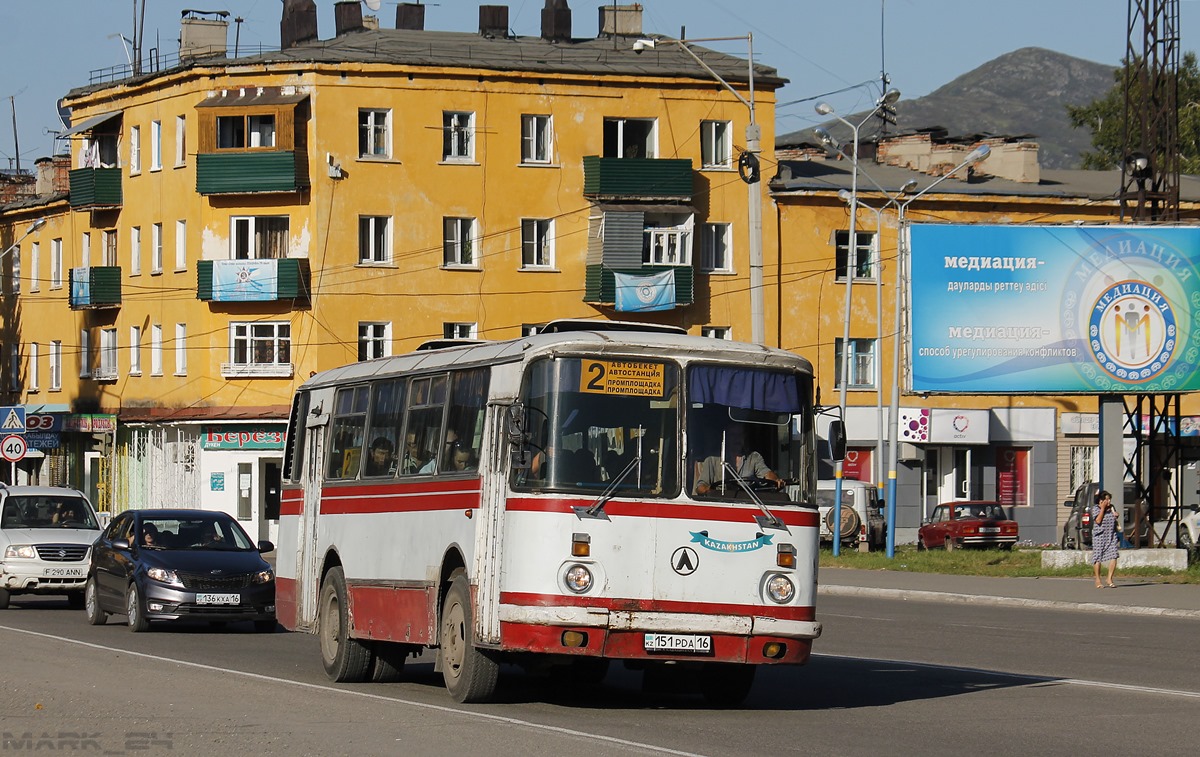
{"x":641,"y":294}
{"x":245,"y":280}
{"x":81,"y":286}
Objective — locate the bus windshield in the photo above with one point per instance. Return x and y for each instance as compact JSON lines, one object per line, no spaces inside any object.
{"x":596,"y":423}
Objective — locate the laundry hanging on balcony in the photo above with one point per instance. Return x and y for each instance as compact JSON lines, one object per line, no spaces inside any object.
{"x":640,"y":294}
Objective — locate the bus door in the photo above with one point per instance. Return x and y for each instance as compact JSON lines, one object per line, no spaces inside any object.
{"x":489,"y":534}
{"x":308,"y":561}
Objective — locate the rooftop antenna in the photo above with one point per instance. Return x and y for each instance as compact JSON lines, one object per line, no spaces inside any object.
{"x":887,"y":113}
{"x":12,"y":100}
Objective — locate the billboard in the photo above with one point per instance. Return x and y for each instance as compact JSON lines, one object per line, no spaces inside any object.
{"x":1054,"y":309}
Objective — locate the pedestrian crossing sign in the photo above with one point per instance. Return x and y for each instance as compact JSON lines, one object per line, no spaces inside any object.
{"x":12,"y":419}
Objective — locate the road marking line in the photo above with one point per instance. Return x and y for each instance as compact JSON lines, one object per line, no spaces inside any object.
{"x":1032,"y":678}
{"x":367,"y":695}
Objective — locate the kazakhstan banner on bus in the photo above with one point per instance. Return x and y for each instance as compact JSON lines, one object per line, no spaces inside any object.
{"x":1054,"y":309}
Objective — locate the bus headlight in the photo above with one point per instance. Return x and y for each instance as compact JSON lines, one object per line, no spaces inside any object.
{"x":578,"y":578}
{"x":780,"y":589}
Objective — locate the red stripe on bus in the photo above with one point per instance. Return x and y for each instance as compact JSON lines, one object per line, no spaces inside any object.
{"x":665,"y":510}
{"x":631,"y":645}
{"x":392,"y":613}
{"x":657,"y":605}
{"x":286,"y":605}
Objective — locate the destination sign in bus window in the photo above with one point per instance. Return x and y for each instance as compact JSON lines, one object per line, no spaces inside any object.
{"x":624,"y":377}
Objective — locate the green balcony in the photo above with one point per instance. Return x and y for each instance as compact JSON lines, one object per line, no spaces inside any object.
{"x":223,"y":173}
{"x":95,"y":188}
{"x":264,"y":280}
{"x":600,"y":287}
{"x":95,"y":287}
{"x":637,"y":178}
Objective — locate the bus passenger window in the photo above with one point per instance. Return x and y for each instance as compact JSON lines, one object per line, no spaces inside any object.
{"x":347,"y":432}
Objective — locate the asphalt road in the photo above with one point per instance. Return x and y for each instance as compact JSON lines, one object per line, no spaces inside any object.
{"x":891,"y":677}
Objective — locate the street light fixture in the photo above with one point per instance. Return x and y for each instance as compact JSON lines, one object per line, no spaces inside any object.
{"x":747,"y":165}
{"x":825,"y":109}
{"x":37,"y":224}
{"x":976,"y":155}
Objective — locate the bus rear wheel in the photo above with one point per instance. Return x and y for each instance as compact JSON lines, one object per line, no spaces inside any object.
{"x":470,"y":674}
{"x":346,"y":660}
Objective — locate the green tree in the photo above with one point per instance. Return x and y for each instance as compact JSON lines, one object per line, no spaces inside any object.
{"x":1103,"y":118}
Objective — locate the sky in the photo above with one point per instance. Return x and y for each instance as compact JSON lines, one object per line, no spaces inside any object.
{"x":831,"y":50}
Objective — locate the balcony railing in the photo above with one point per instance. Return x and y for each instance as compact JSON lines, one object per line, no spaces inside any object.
{"x":95,"y":287}
{"x":95,"y":188}
{"x":600,"y":286}
{"x":259,"y":280}
{"x":250,"y":172}
{"x":257,"y":370}
{"x":637,"y":178}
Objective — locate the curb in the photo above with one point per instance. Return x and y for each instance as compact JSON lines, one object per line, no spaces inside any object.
{"x":834,"y":590}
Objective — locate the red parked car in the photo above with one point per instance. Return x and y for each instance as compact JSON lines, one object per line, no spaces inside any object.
{"x":967,"y":524}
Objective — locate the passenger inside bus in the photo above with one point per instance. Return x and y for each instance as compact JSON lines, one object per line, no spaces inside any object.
{"x":381,"y":462}
{"x":463,"y":458}
{"x":415,"y":455}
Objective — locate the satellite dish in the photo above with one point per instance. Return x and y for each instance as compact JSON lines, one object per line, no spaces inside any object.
{"x":64,"y":114}
{"x":373,"y":4}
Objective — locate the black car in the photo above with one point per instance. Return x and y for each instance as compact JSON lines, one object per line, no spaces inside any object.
{"x":179,"y":564}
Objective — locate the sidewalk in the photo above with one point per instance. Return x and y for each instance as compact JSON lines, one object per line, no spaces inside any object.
{"x":1132,"y":596}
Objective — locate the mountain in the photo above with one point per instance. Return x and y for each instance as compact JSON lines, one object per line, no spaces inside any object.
{"x":1024,"y":92}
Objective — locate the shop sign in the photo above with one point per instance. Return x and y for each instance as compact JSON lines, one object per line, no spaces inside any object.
{"x":242,"y":436}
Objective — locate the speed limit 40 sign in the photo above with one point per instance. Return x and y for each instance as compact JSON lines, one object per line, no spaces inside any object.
{"x":13,"y":448}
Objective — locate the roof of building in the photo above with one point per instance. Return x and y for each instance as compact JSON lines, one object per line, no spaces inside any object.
{"x":607,"y":55}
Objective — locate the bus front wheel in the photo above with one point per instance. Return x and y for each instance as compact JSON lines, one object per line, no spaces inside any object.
{"x":726,"y":684}
{"x":345,"y":659}
{"x":470,"y":674}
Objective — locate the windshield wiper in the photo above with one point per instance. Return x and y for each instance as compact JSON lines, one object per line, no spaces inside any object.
{"x":597,"y":508}
{"x":768,"y":519}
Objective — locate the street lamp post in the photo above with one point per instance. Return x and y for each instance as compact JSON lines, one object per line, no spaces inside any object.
{"x":825,"y":109}
{"x":37,"y":224}
{"x":748,"y":168}
{"x":902,"y":274}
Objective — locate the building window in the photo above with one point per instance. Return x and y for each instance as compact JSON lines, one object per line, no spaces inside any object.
{"x":666,"y":240}
{"x":156,"y":350}
{"x":862,"y":363}
{"x":156,"y":145}
{"x":108,"y":255}
{"x":716,"y":148}
{"x":135,"y":251}
{"x":135,"y":350}
{"x":85,"y":367}
{"x":374,"y":133}
{"x":1012,"y":476}
{"x":374,"y":340}
{"x":1084,"y":463}
{"x":261,"y":348}
{"x":56,"y":264}
{"x":180,"y":141}
{"x":536,"y":139}
{"x":181,"y":349}
{"x":34,"y":374}
{"x":156,"y":251}
{"x":135,"y":150}
{"x":259,"y":237}
{"x":108,"y":355}
{"x":458,"y":135}
{"x":35,"y":266}
{"x":716,"y":332}
{"x":374,"y":239}
{"x":864,"y":256}
{"x":629,"y":138}
{"x":181,"y":245}
{"x":15,"y":256}
{"x":537,"y":243}
{"x":458,"y":245}
{"x":85,"y":250}
{"x":529,"y":329}
{"x":715,"y":252}
{"x":245,"y":131}
{"x":460,"y":330}
{"x":14,"y":368}
{"x":55,"y":366}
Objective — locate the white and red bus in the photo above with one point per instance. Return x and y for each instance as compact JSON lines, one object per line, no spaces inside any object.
{"x":531,"y":502}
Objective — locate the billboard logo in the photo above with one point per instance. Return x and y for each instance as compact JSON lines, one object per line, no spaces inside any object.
{"x":1132,"y":331}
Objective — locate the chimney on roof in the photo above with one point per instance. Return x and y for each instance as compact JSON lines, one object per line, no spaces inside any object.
{"x":53,"y":175}
{"x":200,"y":37}
{"x":493,"y":21}
{"x":556,"y":21}
{"x":410,"y":16}
{"x":620,"y":20}
{"x":299,"y":23}
{"x":347,"y":17}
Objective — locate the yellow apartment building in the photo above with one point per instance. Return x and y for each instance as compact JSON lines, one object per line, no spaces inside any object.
{"x":235,"y":225}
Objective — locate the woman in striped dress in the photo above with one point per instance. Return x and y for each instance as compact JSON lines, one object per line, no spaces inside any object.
{"x":1104,"y":538}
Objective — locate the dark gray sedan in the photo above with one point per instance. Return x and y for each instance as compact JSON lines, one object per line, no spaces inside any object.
{"x":179,"y":564}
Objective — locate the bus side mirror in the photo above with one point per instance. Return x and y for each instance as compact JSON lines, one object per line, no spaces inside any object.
{"x":837,"y":440}
{"x":517,"y":435}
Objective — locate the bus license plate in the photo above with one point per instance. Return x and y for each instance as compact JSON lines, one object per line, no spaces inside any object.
{"x":62,"y":572}
{"x":672,"y":642}
{"x":218,"y":599}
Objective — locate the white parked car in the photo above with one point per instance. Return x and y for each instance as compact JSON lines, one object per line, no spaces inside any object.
{"x":1188,"y":535}
{"x":46,"y":536}
{"x":862,"y":513}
